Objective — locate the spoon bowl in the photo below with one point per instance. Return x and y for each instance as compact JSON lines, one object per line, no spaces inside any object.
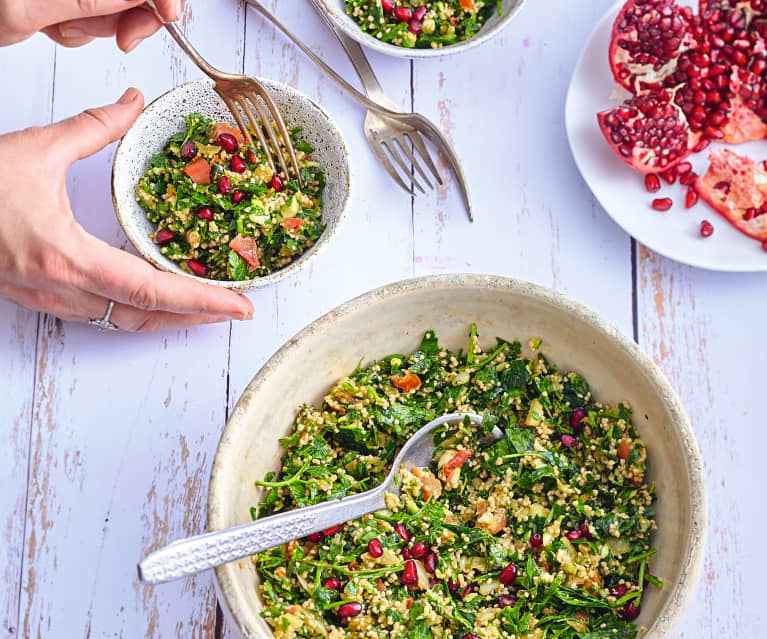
{"x":195,"y":554}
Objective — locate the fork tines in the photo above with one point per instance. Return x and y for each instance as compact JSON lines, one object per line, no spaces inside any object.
{"x":398,"y":144}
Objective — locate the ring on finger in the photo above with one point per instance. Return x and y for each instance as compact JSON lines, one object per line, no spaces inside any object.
{"x":105,"y":323}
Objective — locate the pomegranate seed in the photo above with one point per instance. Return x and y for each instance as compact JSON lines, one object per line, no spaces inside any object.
{"x":585,"y":530}
{"x":163,"y":236}
{"x":387,"y":5}
{"x":419,"y":13}
{"x":691,"y":198}
{"x":430,"y":563}
{"x":536,"y":540}
{"x":410,"y":573}
{"x":651,"y":183}
{"x":224,"y":184}
{"x":332,"y":530}
{"x":506,"y":601}
{"x":509,"y":574}
{"x":619,"y":590}
{"x":188,"y":150}
{"x":702,"y":144}
{"x":406,"y":553}
{"x":403,"y":14}
{"x":466,"y":591}
{"x":315,"y":537}
{"x":238,"y":196}
{"x":684,"y":167}
{"x":332,"y":583}
{"x":688,"y":179}
{"x":662,"y":203}
{"x":198,"y":268}
{"x":251,"y":156}
{"x":452,"y":585}
{"x":706,"y":229}
{"x":238,"y":164}
{"x":579,"y":413}
{"x":276,"y":183}
{"x":415,"y":26}
{"x":418,"y":550}
{"x":669,"y":176}
{"x":351,"y":609}
{"x":630,"y":611}
{"x":750,"y":214}
{"x":569,"y":441}
{"x":724,"y":187}
{"x":374,"y":548}
{"x":573,"y":535}
{"x":205,"y":213}
{"x":401,"y":530}
{"x":228,"y":142}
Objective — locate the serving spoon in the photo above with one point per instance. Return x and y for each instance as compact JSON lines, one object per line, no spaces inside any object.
{"x":195,"y":554}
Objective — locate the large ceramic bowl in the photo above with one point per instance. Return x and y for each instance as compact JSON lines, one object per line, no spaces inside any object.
{"x":163,"y":117}
{"x":393,"y":319}
{"x":337,"y":12}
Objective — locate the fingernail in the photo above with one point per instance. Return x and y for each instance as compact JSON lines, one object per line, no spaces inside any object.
{"x":133,"y":44}
{"x":71,"y":32}
{"x":129,"y":96}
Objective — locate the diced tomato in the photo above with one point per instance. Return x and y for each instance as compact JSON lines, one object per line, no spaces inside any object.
{"x":407,"y":383}
{"x":247,"y":249}
{"x":466,"y":4}
{"x":456,"y":461}
{"x":624,"y":448}
{"x":221,"y":127}
{"x":198,"y":170}
{"x":580,"y":615}
{"x":293,"y":224}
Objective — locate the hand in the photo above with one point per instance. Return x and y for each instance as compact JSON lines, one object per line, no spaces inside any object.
{"x":73,"y":23}
{"x":49,"y":263}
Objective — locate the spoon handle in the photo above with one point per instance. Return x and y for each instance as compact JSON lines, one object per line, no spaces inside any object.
{"x":195,"y":554}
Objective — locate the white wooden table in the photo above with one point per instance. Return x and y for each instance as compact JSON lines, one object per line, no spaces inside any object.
{"x":108,"y":438}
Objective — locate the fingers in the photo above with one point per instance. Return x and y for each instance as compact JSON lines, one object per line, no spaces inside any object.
{"x":115,"y":274}
{"x":85,"y":134}
{"x":75,"y":9}
{"x":135,"y":26}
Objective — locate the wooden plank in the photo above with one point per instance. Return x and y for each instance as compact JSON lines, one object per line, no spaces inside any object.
{"x":124,"y":425}
{"x":32,"y":85}
{"x":695,"y":324}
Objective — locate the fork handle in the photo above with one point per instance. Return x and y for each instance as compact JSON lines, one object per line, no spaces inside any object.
{"x":182,"y":41}
{"x":192,"y":555}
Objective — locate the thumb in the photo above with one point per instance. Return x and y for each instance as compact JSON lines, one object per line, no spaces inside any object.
{"x":90,"y":131}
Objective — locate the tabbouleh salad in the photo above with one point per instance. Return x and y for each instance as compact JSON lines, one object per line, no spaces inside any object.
{"x":543,"y":534}
{"x":220,"y":210}
{"x":422,"y":24}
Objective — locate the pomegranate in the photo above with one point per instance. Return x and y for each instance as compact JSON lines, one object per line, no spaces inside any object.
{"x":688,"y":179}
{"x":415,"y":26}
{"x":205,"y":213}
{"x":163,"y":236}
{"x":706,"y":229}
{"x":453,"y":586}
{"x":736,"y":188}
{"x":375,"y":548}
{"x":586,"y":530}
{"x":238,"y":164}
{"x":410,"y":573}
{"x":669,"y":176}
{"x":351,"y":609}
{"x":403,"y":14}
{"x":332,"y":530}
{"x":402,"y":531}
{"x":238,"y":196}
{"x":419,"y":13}
{"x":649,"y":132}
{"x":536,"y":540}
{"x":509,"y":574}
{"x":430,"y":563}
{"x":276,"y":183}
{"x":418,"y":550}
{"x":506,"y":601}
{"x":630,"y":611}
{"x":224,"y":184}
{"x":387,"y":6}
{"x":573,"y":535}
{"x":332,"y":583}
{"x":651,"y":183}
{"x":569,"y":441}
{"x":198,"y":268}
{"x":228,"y":142}
{"x":579,"y":413}
{"x":619,"y":590}
{"x":188,"y":150}
{"x":662,"y":203}
{"x":691,"y":198}
{"x":315,"y":537}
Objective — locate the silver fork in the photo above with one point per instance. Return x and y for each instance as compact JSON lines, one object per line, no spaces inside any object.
{"x":386,"y":125}
{"x":244,"y":92}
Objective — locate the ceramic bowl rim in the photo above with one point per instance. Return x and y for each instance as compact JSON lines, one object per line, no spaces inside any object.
{"x":124,"y":216}
{"x":354,"y":32}
{"x":691,"y":560}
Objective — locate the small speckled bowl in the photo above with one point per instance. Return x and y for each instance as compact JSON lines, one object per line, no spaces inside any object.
{"x":393,"y":319}
{"x":163,"y":117}
{"x":337,"y":11}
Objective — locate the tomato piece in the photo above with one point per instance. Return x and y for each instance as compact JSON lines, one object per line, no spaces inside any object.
{"x":407,"y":383}
{"x":293,"y":224}
{"x":455,"y":462}
{"x":198,"y":170}
{"x":467,"y":5}
{"x":222,"y":127}
{"x":624,"y":448}
{"x":247,"y":249}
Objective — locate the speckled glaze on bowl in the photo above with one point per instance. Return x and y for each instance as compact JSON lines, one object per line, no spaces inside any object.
{"x":337,"y":12}
{"x":393,"y":319}
{"x":163,"y":117}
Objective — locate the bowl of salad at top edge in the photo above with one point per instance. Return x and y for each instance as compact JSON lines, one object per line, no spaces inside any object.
{"x":421,"y":28}
{"x":196,"y":199}
{"x":587,"y":518}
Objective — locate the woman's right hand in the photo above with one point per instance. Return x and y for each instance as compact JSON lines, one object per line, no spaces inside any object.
{"x":49,"y":263}
{"x":73,"y":23}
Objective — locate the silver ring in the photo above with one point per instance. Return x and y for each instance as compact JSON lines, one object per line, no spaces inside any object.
{"x":104,"y":324}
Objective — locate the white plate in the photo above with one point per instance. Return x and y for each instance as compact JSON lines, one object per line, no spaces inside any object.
{"x":620,"y":190}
